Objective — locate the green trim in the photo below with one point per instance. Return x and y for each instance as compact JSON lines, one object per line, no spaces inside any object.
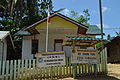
{"x":22,"y":33}
{"x":83,"y":38}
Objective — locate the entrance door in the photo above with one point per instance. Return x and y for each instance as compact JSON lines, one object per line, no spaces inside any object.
{"x":58,"y":45}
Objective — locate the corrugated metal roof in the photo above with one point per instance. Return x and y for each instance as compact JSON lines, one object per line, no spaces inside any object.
{"x":3,"y":34}
{"x":22,"y":32}
{"x":93,"y":29}
{"x":83,"y":38}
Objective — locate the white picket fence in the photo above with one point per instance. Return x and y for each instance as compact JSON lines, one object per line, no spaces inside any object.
{"x":27,"y":70}
{"x":16,"y":69}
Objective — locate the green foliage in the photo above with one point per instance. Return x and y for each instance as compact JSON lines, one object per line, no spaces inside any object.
{"x":15,"y":16}
{"x":83,"y":18}
{"x":99,"y":45}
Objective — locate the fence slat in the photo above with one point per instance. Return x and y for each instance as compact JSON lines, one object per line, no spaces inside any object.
{"x":29,"y":71}
{"x":79,"y":69}
{"x":14,"y":69}
{"x":0,"y":67}
{"x":18,"y":69}
{"x":7,"y":70}
{"x":11,"y":70}
{"x":69,"y":66}
{"x":26,"y":67}
{"x":22,"y":69}
{"x":106,"y":68}
{"x":63,"y":71}
{"x":66,"y":66}
{"x":3,"y":69}
{"x":34,"y":71}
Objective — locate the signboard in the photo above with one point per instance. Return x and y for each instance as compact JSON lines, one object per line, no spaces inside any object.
{"x":85,"y":56}
{"x":47,"y":59}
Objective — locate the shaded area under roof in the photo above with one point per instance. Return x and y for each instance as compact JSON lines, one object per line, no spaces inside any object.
{"x":81,"y":41}
{"x":93,"y":30}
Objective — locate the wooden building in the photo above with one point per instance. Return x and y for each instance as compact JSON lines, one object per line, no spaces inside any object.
{"x":6,"y":44}
{"x":113,"y":50}
{"x":34,"y":36}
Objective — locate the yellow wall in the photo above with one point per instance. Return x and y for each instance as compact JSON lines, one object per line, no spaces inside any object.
{"x":57,"y":22}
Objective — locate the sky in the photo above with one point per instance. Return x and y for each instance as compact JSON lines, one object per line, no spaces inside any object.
{"x":110,"y":10}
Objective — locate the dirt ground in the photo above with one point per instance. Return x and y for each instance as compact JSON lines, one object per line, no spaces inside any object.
{"x":113,"y":74}
{"x":114,"y":70}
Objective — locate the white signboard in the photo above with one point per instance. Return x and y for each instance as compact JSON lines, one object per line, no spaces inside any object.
{"x":85,"y":56}
{"x":47,"y":59}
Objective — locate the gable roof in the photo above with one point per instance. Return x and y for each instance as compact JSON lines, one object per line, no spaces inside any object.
{"x":60,"y":15}
{"x":4,"y":34}
{"x":90,"y":30}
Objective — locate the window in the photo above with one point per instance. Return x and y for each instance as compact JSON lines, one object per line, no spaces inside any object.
{"x":58,"y":45}
{"x":34,"y":46}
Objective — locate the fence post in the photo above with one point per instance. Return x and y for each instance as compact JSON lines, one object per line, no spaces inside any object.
{"x":15,"y":70}
{"x":0,"y":67}
{"x":18,"y":72}
{"x":3,"y":69}
{"x":11,"y":70}
{"x":26,"y":67}
{"x":34,"y":68}
{"x":95,"y":69}
{"x":74,"y":70}
{"x":106,"y":68}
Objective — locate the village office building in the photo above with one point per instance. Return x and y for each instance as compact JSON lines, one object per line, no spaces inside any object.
{"x":34,"y":36}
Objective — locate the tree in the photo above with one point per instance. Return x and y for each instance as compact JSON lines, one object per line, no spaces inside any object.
{"x":84,"y":18}
{"x":17,"y":14}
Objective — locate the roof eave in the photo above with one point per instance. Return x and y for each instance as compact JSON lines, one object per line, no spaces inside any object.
{"x":5,"y":36}
{"x":58,"y":14}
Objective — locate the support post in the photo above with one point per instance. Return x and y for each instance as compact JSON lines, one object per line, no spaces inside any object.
{"x":74,"y":65}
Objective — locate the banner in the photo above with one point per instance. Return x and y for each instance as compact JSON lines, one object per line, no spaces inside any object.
{"x":85,"y":56}
{"x":48,"y":59}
